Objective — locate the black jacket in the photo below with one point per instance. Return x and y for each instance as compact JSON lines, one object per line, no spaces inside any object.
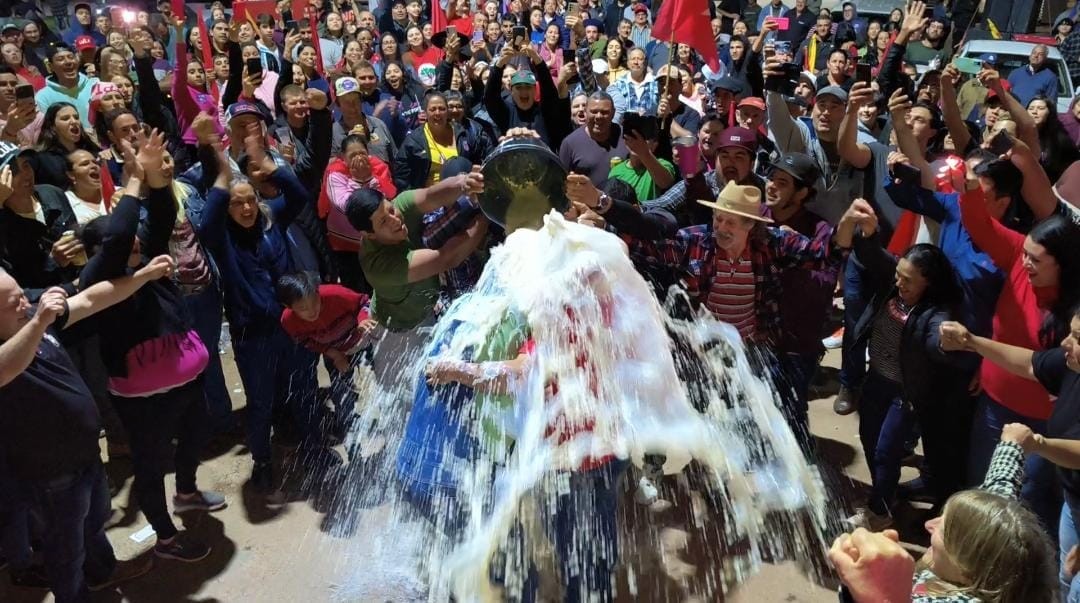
{"x":931,"y":376}
{"x":26,"y":244}
{"x":412,"y":162}
{"x":550,"y":116}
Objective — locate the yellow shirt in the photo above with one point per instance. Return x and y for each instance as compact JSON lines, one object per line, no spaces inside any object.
{"x":440,"y":154}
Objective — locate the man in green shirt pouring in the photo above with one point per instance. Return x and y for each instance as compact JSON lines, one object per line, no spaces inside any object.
{"x":403,"y":274}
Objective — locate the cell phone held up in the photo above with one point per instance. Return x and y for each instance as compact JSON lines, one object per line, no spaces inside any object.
{"x":907,"y":174}
{"x":24,"y":92}
{"x":642,"y":125}
{"x":451,"y":31}
{"x":1001,"y":143}
{"x":863,"y":73}
{"x":520,"y":36}
{"x":786,"y":82}
{"x":254,"y":67}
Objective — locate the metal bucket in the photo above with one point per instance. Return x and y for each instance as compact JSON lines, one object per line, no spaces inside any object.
{"x":523,"y":182}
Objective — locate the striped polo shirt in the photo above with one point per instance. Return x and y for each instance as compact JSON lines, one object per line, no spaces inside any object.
{"x":731,"y":293}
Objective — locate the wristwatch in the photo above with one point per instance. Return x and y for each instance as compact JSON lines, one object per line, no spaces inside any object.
{"x":604,"y":204}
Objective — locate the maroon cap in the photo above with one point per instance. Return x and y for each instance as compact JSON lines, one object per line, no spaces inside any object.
{"x":640,"y":8}
{"x":740,"y":138}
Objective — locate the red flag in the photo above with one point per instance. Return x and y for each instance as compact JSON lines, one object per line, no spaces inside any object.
{"x":207,"y":46}
{"x":316,"y":44}
{"x":248,"y":10}
{"x":438,"y":17}
{"x":108,"y":188}
{"x":687,"y":22}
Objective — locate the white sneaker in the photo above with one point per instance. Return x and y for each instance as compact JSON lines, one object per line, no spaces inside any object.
{"x":834,"y":341}
{"x":867,"y":519}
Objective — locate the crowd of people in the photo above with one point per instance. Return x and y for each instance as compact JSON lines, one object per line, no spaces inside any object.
{"x":306,"y":185}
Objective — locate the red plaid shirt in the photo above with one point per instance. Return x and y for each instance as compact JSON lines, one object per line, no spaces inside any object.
{"x":693,"y":252}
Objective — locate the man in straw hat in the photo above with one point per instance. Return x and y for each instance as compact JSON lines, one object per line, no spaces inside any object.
{"x":737,"y":268}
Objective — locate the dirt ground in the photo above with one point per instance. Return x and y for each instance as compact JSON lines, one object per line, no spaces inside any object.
{"x":283,"y":551}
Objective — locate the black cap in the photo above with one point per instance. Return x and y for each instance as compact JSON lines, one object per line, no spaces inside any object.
{"x":728,"y":83}
{"x":55,"y":49}
{"x":800,"y":166}
{"x":79,"y":5}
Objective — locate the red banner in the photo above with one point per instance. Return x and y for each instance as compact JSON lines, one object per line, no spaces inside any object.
{"x":250,"y":9}
{"x":687,"y":22}
{"x":438,"y":17}
{"x":303,"y":10}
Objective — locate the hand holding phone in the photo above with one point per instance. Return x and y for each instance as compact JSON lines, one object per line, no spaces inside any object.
{"x":863,"y":73}
{"x":1001,"y":143}
{"x":968,"y":65}
{"x":782,"y":23}
{"x":24,"y":92}
{"x":451,"y":31}
{"x":254,"y":67}
{"x":520,"y":36}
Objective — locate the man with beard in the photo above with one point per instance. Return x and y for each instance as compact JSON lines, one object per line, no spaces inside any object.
{"x":590,"y":150}
{"x":932,"y":44}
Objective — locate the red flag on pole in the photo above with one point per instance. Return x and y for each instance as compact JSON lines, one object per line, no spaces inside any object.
{"x":687,"y":22}
{"x":315,"y":43}
{"x":108,"y":187}
{"x":438,"y":17}
{"x":207,"y":48}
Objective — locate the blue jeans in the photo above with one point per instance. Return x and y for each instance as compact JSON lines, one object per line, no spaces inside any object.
{"x":1041,"y":490}
{"x":205,"y":310}
{"x":884,"y":424}
{"x":1067,"y":539}
{"x":73,"y":509}
{"x":797,"y":372}
{"x":853,"y":357}
{"x":276,"y":371}
{"x":584,"y":532}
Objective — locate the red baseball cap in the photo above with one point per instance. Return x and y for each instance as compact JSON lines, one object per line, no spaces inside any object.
{"x":85,"y":43}
{"x":640,"y":8}
{"x":753,"y":101}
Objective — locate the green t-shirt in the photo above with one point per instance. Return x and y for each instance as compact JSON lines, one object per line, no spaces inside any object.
{"x":640,"y":179}
{"x":504,"y":343}
{"x":396,"y":303}
{"x":918,"y":53}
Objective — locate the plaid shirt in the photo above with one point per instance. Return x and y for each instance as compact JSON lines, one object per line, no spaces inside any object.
{"x":442,"y":225}
{"x":1004,"y":478}
{"x":1070,"y":51}
{"x":772,"y":251}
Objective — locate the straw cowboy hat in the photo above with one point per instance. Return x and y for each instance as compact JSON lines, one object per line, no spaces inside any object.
{"x":742,"y":201}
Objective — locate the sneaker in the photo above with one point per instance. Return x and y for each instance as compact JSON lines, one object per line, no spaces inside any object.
{"x":262,"y":477}
{"x":32,"y":577}
{"x":205,"y":501}
{"x":834,"y":341}
{"x":124,"y":571}
{"x":181,"y":548}
{"x":847,"y":400}
{"x":867,"y":519}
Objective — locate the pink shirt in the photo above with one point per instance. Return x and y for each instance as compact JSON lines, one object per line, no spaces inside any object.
{"x":158,"y":365}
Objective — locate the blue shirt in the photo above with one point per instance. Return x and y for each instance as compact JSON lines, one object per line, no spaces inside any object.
{"x":981,"y":279}
{"x":1026,"y":84}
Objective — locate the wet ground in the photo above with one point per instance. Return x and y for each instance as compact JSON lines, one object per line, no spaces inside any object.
{"x":282,"y":549}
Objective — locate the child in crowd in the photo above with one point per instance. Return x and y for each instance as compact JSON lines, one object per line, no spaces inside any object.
{"x":331,"y":320}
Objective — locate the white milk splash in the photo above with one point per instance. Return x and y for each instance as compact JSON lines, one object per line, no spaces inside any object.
{"x":602,"y":357}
